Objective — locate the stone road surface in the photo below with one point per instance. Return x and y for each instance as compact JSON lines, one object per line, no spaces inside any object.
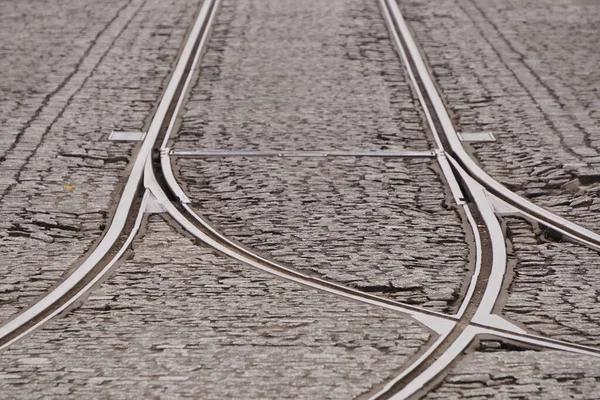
{"x":527,"y":71}
{"x":178,"y":320}
{"x":380,"y":225}
{"x":71,"y":73}
{"x":311,"y":75}
{"x":321,"y":76}
{"x":520,"y":374}
{"x":554,"y":290}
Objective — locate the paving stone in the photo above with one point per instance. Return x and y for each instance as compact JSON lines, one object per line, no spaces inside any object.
{"x":320,"y":76}
{"x":311,"y":75}
{"x":179,"y":321}
{"x":524,"y":374}
{"x":380,"y":225}
{"x":527,"y":71}
{"x":81,"y":70}
{"x":554,"y":291}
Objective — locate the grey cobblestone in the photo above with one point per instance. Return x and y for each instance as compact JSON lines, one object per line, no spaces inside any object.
{"x":31,"y":30}
{"x":180,"y":321}
{"x":525,"y":70}
{"x":321,"y":76}
{"x":380,"y":225}
{"x":554,"y":291}
{"x":288,"y":75}
{"x":64,"y":87}
{"x":487,"y":374}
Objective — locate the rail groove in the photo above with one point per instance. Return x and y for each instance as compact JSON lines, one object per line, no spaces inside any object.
{"x":470,"y":186}
{"x":69,"y":290}
{"x":478,"y":186}
{"x":423,"y":80}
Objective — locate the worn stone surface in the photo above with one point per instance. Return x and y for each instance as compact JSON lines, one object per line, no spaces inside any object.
{"x":321,"y":76}
{"x":525,"y":374}
{"x":180,"y":321}
{"x":71,"y":73}
{"x":554,"y":291}
{"x":526,"y":70}
{"x":379,"y":225}
{"x":310,"y":75}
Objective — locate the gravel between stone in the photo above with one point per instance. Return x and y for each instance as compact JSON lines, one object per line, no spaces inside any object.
{"x":380,"y":225}
{"x":71,"y":73}
{"x":179,"y":321}
{"x":527,"y":71}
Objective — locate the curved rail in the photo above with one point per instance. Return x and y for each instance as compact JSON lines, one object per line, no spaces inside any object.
{"x":482,"y":321}
{"x":477,"y":183}
{"x":60,"y":295}
{"x":423,"y":79}
{"x":436,"y":321}
{"x":455,"y":332}
{"x":21,"y":321}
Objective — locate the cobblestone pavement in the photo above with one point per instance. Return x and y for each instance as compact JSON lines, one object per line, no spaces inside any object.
{"x":380,"y":225}
{"x":527,"y":71}
{"x":554,"y":290}
{"x":345,"y":220}
{"x":301,"y":76}
{"x":516,"y":373}
{"x":81,"y":70}
{"x":179,"y":321}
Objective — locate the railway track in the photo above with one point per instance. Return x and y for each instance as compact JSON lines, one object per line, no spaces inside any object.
{"x":152,"y":184}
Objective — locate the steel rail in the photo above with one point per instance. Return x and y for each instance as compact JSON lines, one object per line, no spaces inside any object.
{"x":569,"y":228}
{"x":174,"y":188}
{"x":270,"y":265}
{"x":461,"y":344}
{"x":232,"y":249}
{"x":143,"y":168}
{"x":87,"y":287}
{"x":129,"y":193}
{"x":483,"y":315}
{"x":389,"y":386}
{"x":445,"y":166}
{"x":440,"y":323}
{"x":428,"y":367}
{"x":475,"y":276}
{"x":167,"y":171}
{"x":484,"y":321}
{"x":443,"y":326}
